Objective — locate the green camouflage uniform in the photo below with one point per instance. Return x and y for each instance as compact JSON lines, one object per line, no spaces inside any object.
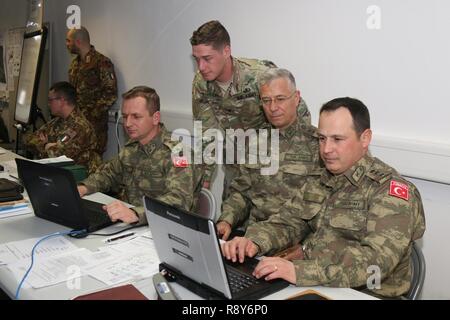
{"x":255,"y":197}
{"x":348,"y":223}
{"x":148,"y":169}
{"x":96,"y":85}
{"x":238,"y":108}
{"x":74,"y":136}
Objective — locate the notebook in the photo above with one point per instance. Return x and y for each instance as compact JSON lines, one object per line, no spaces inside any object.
{"x":188,"y":248}
{"x":54,"y":196}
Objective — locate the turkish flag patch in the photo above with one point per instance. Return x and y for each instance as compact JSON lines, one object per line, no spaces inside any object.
{"x":180,"y":162}
{"x":399,"y":190}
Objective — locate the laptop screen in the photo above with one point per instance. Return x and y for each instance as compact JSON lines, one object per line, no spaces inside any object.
{"x":53,"y":193}
{"x":187,"y":243}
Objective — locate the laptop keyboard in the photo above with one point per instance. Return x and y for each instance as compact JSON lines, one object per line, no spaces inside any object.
{"x":239,"y":281}
{"x":95,"y":214}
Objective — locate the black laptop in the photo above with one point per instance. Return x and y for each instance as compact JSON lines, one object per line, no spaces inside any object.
{"x":54,"y":196}
{"x":189,"y":250}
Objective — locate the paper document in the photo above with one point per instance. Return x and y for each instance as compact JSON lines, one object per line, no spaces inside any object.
{"x":64,"y":267}
{"x":14,"y":251}
{"x":138,"y":260}
{"x":54,"y":160}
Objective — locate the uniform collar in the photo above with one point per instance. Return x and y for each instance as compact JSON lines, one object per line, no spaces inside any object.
{"x":292,"y":130}
{"x":354,"y":175}
{"x":154,"y":144}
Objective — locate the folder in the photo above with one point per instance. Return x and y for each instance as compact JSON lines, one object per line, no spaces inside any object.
{"x":124,"y":292}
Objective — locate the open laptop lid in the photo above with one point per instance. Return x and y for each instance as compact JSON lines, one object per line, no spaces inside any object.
{"x":53,"y":193}
{"x":187,"y":243}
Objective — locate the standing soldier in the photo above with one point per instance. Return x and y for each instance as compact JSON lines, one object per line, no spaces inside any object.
{"x":225,"y":91}
{"x":92,"y":75}
{"x":69,"y":133}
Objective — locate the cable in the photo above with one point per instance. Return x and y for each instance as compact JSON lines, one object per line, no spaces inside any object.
{"x":73,"y":232}
{"x":118,"y":116}
{"x":117,"y":232}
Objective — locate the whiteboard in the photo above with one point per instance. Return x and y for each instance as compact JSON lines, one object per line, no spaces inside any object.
{"x":32,"y":52}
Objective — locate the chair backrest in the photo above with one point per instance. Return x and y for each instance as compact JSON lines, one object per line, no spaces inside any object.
{"x":207,"y":206}
{"x":418,"y":267}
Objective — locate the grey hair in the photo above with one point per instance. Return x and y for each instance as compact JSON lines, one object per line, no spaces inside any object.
{"x":276,"y":73}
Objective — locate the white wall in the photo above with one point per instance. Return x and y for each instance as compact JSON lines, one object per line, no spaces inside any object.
{"x":399,"y":71}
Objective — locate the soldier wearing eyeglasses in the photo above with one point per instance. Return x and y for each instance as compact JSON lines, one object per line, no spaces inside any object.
{"x":255,"y":197}
{"x":225,"y":91}
{"x":68,"y":133}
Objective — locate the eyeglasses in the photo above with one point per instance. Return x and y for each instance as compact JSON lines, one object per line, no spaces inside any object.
{"x":267,"y":101}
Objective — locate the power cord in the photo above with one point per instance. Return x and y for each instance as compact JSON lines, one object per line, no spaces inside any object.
{"x":117,"y":232}
{"x":117,"y":115}
{"x":73,"y":232}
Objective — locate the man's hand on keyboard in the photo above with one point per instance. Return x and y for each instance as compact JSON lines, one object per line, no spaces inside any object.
{"x":273,"y":268}
{"x":238,"y":248}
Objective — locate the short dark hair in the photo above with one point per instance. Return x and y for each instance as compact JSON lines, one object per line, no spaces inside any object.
{"x":357,"y":109}
{"x":211,"y":33}
{"x":65,"y":90}
{"x":149,"y":94}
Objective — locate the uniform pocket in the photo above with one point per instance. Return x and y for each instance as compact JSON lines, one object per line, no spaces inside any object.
{"x":352,"y":224}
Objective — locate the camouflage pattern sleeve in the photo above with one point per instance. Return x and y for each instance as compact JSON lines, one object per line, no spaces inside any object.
{"x":391,"y":224}
{"x":203,"y":111}
{"x":284,"y":229}
{"x":108,"y":176}
{"x":179,"y":186}
{"x":236,"y":208}
{"x":109,"y":83}
{"x":32,"y":141}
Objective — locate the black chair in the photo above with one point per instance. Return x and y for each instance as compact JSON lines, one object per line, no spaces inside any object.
{"x":418,"y":268}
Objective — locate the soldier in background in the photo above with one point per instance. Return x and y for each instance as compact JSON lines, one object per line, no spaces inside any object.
{"x":356,"y":217}
{"x":68,"y":133}
{"x":145,"y":165}
{"x":225,"y":91}
{"x":255,"y":197}
{"x":92,"y":74}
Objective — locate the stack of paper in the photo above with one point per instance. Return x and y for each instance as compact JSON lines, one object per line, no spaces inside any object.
{"x":14,"y":209}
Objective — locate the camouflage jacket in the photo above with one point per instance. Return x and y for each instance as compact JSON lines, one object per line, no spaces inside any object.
{"x":140,"y":170}
{"x":362,"y":220}
{"x":74,"y":137}
{"x":255,"y":196}
{"x":239,"y":107}
{"x":95,"y":82}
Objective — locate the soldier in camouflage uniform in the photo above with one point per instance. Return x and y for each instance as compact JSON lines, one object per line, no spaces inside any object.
{"x":255,"y":197}
{"x":68,"y":133}
{"x":145,"y":166}
{"x":355,"y":218}
{"x":225,"y":91}
{"x":92,"y":74}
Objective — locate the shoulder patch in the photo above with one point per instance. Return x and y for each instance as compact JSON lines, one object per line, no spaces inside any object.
{"x":180,"y":162}
{"x":399,"y":190}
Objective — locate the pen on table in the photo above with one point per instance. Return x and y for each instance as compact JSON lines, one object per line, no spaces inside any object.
{"x":120,"y":237}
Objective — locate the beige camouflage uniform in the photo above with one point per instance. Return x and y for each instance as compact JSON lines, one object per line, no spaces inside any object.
{"x":255,"y":197}
{"x":74,"y":137}
{"x":348,"y":223}
{"x":96,"y":85}
{"x":237,"y":108}
{"x":148,"y":169}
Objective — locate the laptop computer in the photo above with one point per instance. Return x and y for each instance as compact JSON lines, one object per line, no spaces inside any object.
{"x":189,"y":250}
{"x":54,"y":196}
